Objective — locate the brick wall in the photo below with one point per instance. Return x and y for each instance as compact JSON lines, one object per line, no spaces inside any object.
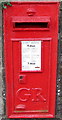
{"x":59,"y":76}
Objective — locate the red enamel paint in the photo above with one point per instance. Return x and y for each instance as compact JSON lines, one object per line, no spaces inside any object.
{"x":30,"y":47}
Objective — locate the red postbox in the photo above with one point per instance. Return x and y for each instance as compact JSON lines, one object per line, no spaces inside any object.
{"x":30,"y":47}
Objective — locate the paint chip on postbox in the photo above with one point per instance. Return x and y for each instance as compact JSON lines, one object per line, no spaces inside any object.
{"x":31,"y":55}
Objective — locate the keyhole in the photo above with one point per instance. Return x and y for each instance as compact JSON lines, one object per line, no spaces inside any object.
{"x":21,"y":77}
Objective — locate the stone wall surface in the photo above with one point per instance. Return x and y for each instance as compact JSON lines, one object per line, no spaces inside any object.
{"x":59,"y":76}
{"x":1,"y":82}
{"x":28,"y":0}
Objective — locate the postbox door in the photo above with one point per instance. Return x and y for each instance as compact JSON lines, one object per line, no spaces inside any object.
{"x":31,"y":59}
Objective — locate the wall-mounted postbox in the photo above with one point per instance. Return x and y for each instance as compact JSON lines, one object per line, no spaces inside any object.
{"x":30,"y":47}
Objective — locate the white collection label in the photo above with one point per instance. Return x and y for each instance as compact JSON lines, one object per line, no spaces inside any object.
{"x":31,"y":55}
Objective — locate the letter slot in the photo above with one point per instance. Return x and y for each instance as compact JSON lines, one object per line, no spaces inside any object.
{"x":31,"y":25}
{"x":39,"y":23}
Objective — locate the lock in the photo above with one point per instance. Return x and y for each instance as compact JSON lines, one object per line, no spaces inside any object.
{"x":22,"y":79}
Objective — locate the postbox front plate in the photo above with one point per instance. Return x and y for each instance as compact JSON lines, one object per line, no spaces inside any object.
{"x":30,"y":47}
